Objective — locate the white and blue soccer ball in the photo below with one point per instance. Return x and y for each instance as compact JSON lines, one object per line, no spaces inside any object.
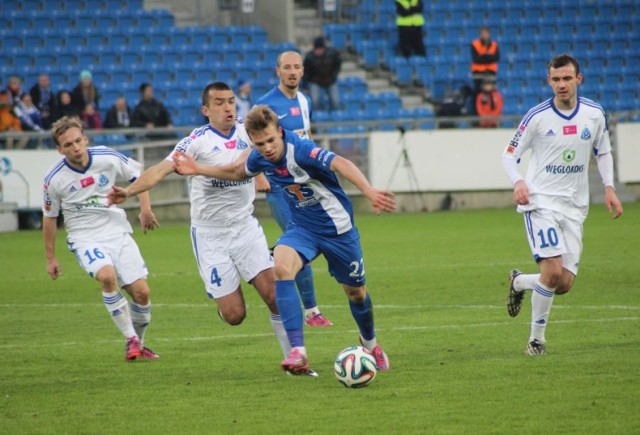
{"x":355,"y":367}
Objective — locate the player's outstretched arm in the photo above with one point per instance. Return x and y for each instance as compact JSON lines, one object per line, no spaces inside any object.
{"x":146,"y":181}
{"x":147,"y":218}
{"x":49,"y":230}
{"x":381,"y":200}
{"x":612,"y":202}
{"x":186,"y":165}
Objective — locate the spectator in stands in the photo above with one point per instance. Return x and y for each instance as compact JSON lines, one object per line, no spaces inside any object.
{"x":119,"y":115}
{"x":149,"y":112}
{"x":409,"y":21}
{"x":8,"y":122}
{"x":485,"y":55}
{"x":14,"y":90}
{"x":321,"y":68}
{"x":85,"y":92}
{"x":91,"y":119}
{"x":489,"y":103}
{"x":44,"y":99}
{"x":243,"y":98}
{"x":30,"y":117}
{"x":65,"y":107}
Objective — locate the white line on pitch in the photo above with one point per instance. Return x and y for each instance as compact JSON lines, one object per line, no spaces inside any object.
{"x":324,"y":332}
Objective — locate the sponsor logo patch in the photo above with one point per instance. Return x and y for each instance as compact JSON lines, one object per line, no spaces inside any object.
{"x":295,"y":111}
{"x":569,"y":130}
{"x":230,"y":145}
{"x":87,"y":181}
{"x":511,"y":149}
{"x":281,"y":171}
{"x":314,"y":152}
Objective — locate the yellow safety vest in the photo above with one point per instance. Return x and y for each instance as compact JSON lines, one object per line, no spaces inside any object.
{"x":411,"y":20}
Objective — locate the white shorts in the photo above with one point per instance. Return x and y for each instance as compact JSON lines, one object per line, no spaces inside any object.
{"x":552,"y":234}
{"x":226,"y":253}
{"x":119,"y":251}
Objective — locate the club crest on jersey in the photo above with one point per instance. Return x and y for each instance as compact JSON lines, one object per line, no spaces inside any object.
{"x":230,"y":145}
{"x":585,"y":134}
{"x":103,"y":180}
{"x":522,"y":127}
{"x":569,"y":130}
{"x":281,"y":171}
{"x":85,"y":182}
{"x":568,"y":155}
{"x":242,"y":145}
{"x":295,"y":111}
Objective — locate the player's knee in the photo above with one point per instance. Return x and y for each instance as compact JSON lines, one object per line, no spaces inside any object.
{"x":233,"y":316}
{"x":107,"y":278}
{"x":283,"y":272}
{"x":562,"y":289}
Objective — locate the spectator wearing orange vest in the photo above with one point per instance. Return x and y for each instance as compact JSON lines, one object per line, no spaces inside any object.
{"x":485,"y":55}
{"x":489,"y":103}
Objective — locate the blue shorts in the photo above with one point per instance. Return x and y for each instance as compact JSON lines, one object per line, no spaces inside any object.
{"x":279,"y":208}
{"x":343,"y":253}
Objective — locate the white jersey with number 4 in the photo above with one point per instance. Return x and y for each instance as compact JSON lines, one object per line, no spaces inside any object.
{"x":561,"y":144}
{"x":81,"y":195}
{"x":215,"y":201}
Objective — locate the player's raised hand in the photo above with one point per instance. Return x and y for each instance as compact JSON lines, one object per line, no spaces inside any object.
{"x":613,"y":203}
{"x":148,"y":221}
{"x":53,"y":269}
{"x":117,"y":195}
{"x":184,"y":164}
{"x":381,"y":200}
{"x":521,"y":193}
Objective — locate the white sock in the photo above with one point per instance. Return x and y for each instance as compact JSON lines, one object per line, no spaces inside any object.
{"x":281,"y":333}
{"x":541,"y":301}
{"x":525,"y":282}
{"x":140,"y":317}
{"x":309,"y":312}
{"x":116,"y":304}
{"x":369,"y":344}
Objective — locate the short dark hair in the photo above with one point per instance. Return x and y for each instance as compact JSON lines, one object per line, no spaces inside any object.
{"x":563,"y":60}
{"x":144,"y":86}
{"x":218,"y":86}
{"x":259,"y":118}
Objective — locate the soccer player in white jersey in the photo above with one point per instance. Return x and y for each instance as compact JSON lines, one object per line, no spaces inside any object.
{"x":228,"y":242}
{"x":321,"y":222}
{"x":561,"y":133}
{"x":294,"y":113}
{"x":99,"y":235}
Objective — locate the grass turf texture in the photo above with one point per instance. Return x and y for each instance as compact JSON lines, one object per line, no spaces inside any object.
{"x":438,"y":283}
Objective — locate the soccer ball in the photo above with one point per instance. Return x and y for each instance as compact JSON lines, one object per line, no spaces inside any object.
{"x":355,"y":367}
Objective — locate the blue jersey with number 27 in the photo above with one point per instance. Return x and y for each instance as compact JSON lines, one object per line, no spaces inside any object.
{"x":315,"y":198}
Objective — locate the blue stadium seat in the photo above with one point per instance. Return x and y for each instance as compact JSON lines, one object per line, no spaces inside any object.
{"x":337,"y":34}
{"x":402,"y":72}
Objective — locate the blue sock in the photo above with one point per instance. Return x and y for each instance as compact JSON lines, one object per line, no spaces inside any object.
{"x":363,"y":315}
{"x":290,"y":311}
{"x":304,"y":282}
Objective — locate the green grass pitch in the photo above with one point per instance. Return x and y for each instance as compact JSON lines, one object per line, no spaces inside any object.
{"x":438,"y":283}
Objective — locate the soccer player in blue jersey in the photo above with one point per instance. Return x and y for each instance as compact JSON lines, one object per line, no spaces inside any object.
{"x":321,"y":222}
{"x":561,"y":133}
{"x":294,"y":113}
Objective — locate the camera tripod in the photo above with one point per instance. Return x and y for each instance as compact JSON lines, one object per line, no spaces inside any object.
{"x":404,"y":160}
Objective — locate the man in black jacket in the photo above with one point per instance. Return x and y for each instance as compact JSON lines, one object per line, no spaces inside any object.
{"x":149,"y":112}
{"x":44,"y":99}
{"x":321,"y":68}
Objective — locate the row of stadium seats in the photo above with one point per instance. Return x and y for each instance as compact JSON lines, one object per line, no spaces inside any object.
{"x":602,"y":35}
{"x":68,"y":6}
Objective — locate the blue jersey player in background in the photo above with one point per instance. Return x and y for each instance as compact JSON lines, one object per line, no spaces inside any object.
{"x":321,"y":222}
{"x":294,"y":113}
